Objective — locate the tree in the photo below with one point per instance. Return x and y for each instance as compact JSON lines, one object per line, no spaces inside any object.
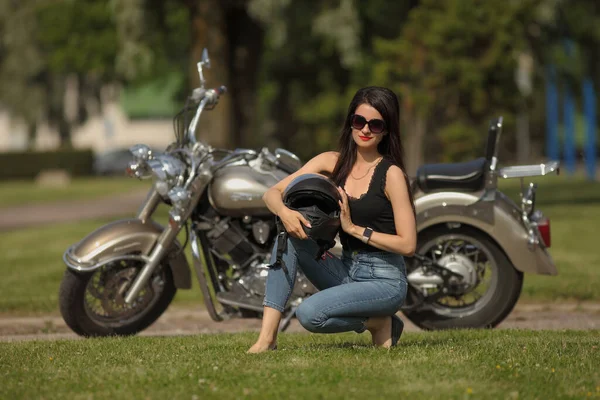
{"x":316,"y":58}
{"x":48,"y":45}
{"x":454,"y":65}
{"x":232,"y":36}
{"x":291,"y":67}
{"x":579,"y":24}
{"x":20,"y":63}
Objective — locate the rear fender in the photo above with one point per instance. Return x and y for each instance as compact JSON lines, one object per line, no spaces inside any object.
{"x":127,"y":238}
{"x":494,"y":214}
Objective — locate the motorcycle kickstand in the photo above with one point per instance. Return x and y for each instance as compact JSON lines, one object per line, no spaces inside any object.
{"x":285,"y":322}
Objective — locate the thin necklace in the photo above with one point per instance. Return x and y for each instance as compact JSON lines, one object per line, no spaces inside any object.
{"x":366,"y":173}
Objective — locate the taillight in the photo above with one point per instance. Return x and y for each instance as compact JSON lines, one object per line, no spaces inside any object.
{"x":544,"y":228}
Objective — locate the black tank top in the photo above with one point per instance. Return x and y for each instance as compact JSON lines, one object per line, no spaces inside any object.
{"x":372,"y":209}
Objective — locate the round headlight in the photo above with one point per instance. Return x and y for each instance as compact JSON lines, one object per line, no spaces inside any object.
{"x":138,"y":169}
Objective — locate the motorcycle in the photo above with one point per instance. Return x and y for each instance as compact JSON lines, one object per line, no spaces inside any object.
{"x":474,"y":243}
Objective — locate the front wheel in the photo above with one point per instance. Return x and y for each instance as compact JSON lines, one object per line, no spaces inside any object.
{"x":491,"y":284}
{"x":93,"y":304}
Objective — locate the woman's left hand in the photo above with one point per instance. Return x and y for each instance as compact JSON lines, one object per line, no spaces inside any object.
{"x":345,"y":219}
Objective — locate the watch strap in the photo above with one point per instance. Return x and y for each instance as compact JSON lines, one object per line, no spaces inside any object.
{"x":366,"y":236}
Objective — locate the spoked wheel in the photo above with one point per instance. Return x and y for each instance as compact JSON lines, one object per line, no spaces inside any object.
{"x":486,"y":294}
{"x":93,"y":304}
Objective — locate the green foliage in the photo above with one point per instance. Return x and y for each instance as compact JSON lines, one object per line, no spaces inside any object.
{"x":77,"y":37}
{"x":153,"y":38}
{"x":315,"y":60}
{"x":456,"y":61}
{"x":452,"y":62}
{"x":571,"y":40}
{"x":153,"y":99}
{"x":21,"y":62}
{"x":460,"y":142}
{"x":44,"y":45}
{"x":27,"y":165}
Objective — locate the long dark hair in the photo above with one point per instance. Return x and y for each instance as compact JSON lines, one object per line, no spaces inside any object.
{"x":390,"y":147}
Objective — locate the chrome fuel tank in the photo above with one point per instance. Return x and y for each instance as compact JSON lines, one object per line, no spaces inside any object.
{"x":237,"y":190}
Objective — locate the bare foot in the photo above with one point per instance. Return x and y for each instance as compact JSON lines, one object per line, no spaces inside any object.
{"x":381,"y":331}
{"x":262,"y":346}
{"x":267,"y":339}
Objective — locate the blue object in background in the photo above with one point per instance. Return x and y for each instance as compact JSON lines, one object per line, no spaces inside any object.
{"x":551,"y":115}
{"x":569,"y":125}
{"x":589,"y":108}
{"x":569,"y":120}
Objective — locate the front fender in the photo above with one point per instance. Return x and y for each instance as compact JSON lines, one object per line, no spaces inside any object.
{"x":123,"y":238}
{"x":497,"y":216}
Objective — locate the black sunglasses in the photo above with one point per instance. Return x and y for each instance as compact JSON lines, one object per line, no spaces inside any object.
{"x":359,"y":122}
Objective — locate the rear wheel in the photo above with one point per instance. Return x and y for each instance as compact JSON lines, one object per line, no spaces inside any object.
{"x":490,"y":287}
{"x":93,"y":304}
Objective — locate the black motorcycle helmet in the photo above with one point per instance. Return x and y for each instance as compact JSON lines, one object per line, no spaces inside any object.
{"x":316,"y":197}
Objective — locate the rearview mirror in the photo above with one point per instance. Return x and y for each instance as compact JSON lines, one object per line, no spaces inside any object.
{"x":205,"y":62}
{"x":205,"y":59}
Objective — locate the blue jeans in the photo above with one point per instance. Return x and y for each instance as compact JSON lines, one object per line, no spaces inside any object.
{"x":351,"y":289}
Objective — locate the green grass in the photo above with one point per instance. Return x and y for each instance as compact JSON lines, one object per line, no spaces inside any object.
{"x":574,"y":250}
{"x":31,"y":265}
{"x":573,"y":206}
{"x":486,"y":364}
{"x":556,"y":191}
{"x":17,"y":193}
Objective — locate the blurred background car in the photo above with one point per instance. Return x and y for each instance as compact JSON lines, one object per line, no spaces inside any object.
{"x":112,"y":162}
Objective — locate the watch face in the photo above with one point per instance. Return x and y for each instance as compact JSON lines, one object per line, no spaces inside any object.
{"x":367,"y":234}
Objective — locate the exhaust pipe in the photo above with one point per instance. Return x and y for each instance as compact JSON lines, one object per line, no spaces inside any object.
{"x":418,"y":278}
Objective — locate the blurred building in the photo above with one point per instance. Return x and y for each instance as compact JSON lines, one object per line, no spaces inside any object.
{"x":134,"y":116}
{"x":111,"y":130}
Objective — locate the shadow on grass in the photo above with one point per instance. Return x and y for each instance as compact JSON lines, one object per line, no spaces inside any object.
{"x":402,"y":344}
{"x":331,"y":346}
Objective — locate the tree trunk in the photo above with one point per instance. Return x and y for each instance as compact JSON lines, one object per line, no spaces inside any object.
{"x":31,"y":135}
{"x":64,"y":132}
{"x":209,"y":31}
{"x":283,"y":114}
{"x":55,"y":85}
{"x":416,"y":127}
{"x":245,"y":38}
{"x":523,"y":140}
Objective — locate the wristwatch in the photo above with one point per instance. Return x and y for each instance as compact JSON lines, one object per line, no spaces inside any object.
{"x":366,"y":236}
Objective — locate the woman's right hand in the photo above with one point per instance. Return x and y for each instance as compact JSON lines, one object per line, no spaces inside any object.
{"x":293,"y":221}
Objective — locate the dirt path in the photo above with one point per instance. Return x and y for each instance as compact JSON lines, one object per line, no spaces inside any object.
{"x":69,"y":211}
{"x":190,"y":321}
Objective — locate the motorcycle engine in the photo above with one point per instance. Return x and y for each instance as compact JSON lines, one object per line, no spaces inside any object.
{"x":238,"y":245}
{"x":254,"y":279}
{"x":245,"y":245}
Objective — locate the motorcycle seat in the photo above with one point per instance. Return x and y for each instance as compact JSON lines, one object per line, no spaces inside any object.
{"x":465,"y":177}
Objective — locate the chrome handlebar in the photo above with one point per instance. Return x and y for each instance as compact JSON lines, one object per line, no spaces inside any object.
{"x":207,"y":98}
